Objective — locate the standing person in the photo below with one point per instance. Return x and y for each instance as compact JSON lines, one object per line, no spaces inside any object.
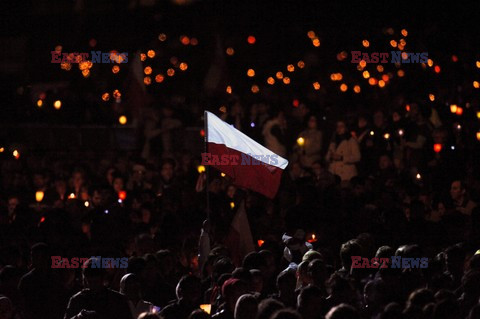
{"x":343,"y":153}
{"x":311,"y":150}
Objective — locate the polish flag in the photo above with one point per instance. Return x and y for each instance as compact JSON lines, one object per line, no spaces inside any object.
{"x":248,"y":163}
{"x":239,"y":239}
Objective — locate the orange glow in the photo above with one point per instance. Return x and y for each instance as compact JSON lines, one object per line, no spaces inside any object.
{"x":453,"y":108}
{"x":39,"y":103}
{"x":230,"y":51}
{"x":301,"y":64}
{"x":372,"y":81}
{"x":381,"y":83}
{"x":260,"y":242}
{"x":357,"y":89}
{"x":159,"y":78}
{"x":476,"y":84}
{"x":316,"y":42}
{"x":122,"y":120}
{"x":255,"y":89}
{"x":290,"y":68}
{"x":380,"y":68}
{"x":183,"y":66}
{"x":271,"y":81}
{"x":147,"y":70}
{"x":385,"y":78}
{"x":105,"y":97}
{"x":185,"y":40}
{"x":170,"y":72}
{"x":431,"y":97}
{"x":366,"y":74}
{"x":251,"y":72}
{"x":478,"y":136}
{"x":316,"y":86}
{"x":16,"y":154}
{"x":229,"y":89}
{"x":117,"y":94}
{"x":407,"y":107}
{"x":311,"y":34}
{"x":437,"y":148}
{"x":286,"y":80}
{"x":162,"y":37}
{"x":122,"y":195}
{"x":57,"y":104}
{"x":437,"y":69}
{"x":365,"y":43}
{"x":251,"y":39}
{"x":393,"y":43}
{"x":143,"y":57}
{"x":147,"y":80}
{"x":151,"y":54}
{"x":459,"y":111}
{"x":343,"y":87}
{"x":279,"y":75}
{"x":362,"y":63}
{"x":115,"y":69}
{"x":404,"y":32}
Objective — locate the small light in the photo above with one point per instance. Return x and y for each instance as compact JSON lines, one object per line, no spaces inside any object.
{"x":229,"y":89}
{"x":431,"y":97}
{"x":459,"y":111}
{"x":343,"y":87}
{"x":87,"y":204}
{"x":255,"y":89}
{"x":311,"y":34}
{"x":232,"y":205}
{"x":183,"y":66}
{"x":39,"y":196}
{"x":252,"y":124}
{"x":452,"y":147}
{"x":42,"y":219}
{"x":271,"y":80}
{"x":117,"y":94}
{"x":401,"y":73}
{"x":39,"y":103}
{"x":437,"y":148}
{"x":478,"y":135}
{"x":453,"y":108}
{"x":393,"y":43}
{"x":279,"y":75}
{"x":316,"y":86}
{"x":223,"y":109}
{"x":170,"y":72}
{"x":122,"y":120}
{"x":366,"y":43}
{"x":16,"y":154}
{"x":162,"y":37}
{"x":120,"y":201}
{"x":400,"y":132}
{"x":230,"y":51}
{"x":366,"y":74}
{"x":430,"y":62}
{"x":404,"y":32}
{"x":251,"y":39}
{"x":122,"y":195}
{"x":381,"y":83}
{"x":260,"y":242}
{"x":478,"y":115}
{"x":458,"y":127}
{"x":151,"y":54}
{"x":105,"y":97}
{"x":386,"y":136}
{"x":454,"y":58}
{"x":300,"y":141}
{"x":202,"y":133}
{"x":147,"y":70}
{"x":296,"y":103}
{"x":290,"y":68}
{"x":477,"y":64}
{"x":357,"y":89}
{"x":222,"y":174}
{"x":115,"y":69}
{"x":72,"y":196}
{"x":2,"y":149}
{"x":316,"y":42}
{"x":159,"y":78}
{"x":476,"y":84}
{"x":372,"y":133}
{"x":57,"y":104}
{"x":437,"y":69}
{"x":380,"y":68}
{"x":106,"y":211}
{"x":418,"y":176}
{"x":185,"y":40}
{"x":206,"y":307}
{"x":251,"y":72}
{"x":194,"y":41}
{"x":372,"y":81}
{"x":201,"y":169}
{"x":301,"y":64}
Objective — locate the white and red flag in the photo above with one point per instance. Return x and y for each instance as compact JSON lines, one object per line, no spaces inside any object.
{"x":249,"y":164}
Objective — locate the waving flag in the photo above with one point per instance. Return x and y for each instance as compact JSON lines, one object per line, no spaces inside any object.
{"x":248,"y":163}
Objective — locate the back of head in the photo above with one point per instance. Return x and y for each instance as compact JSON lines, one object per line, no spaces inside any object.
{"x":349,"y":249}
{"x":286,"y":314}
{"x":93,"y":273}
{"x":267,"y":307}
{"x":246,"y":307}
{"x":189,"y":289}
{"x":342,"y":311}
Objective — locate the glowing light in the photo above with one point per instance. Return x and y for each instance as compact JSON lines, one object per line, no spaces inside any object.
{"x":206,"y":307}
{"x":343,"y":87}
{"x":58,"y":48}
{"x":105,"y":96}
{"x":300,"y":141}
{"x":431,"y":97}
{"x":316,"y":86}
{"x":147,"y":80}
{"x":478,"y":115}
{"x":222,"y":174}
{"x":372,"y":133}
{"x":251,"y":72}
{"x":381,"y":83}
{"x":404,"y":32}
{"x":385,"y":78}
{"x":437,"y":69}
{"x":386,"y":136}
{"x":290,"y":68}
{"x":311,"y":34}
{"x":401,"y":73}
{"x":162,"y":37}
{"x":170,"y":72}
{"x":16,"y":154}
{"x":223,"y":109}
{"x":86,"y":73}
{"x":66,"y":66}
{"x":459,"y":111}
{"x":372,"y":81}
{"x":2,"y":149}
{"x":39,"y":103}
{"x":357,"y":89}
{"x":418,"y":176}
{"x":342,"y":56}
{"x":194,"y":41}
{"x":336,"y":76}
{"x":147,"y":70}
{"x":42,"y":219}
{"x":430,"y":62}
{"x":39,"y":196}
{"x":115,"y":69}
{"x":159,"y":78}
{"x":251,"y":39}
{"x":183,"y":66}
{"x":295,"y":103}
{"x":362,"y":63}
{"x":279,"y":75}
{"x":230,"y":51}
{"x":478,"y":136}
{"x":271,"y":81}
{"x":122,"y":195}
{"x":286,"y":80}
{"x":476,"y":84}
{"x":407,"y":107}
{"x":453,"y":108}
{"x":316,"y":42}
{"x":255,"y":89}
{"x":117,"y":94}
{"x":57,"y":104}
{"x":312,"y":239}
{"x":260,"y":242}
{"x":366,"y":43}
{"x":229,"y":89}
{"x":185,"y":40}
{"x":232,"y":205}
{"x":122,"y":120}
{"x":87,"y":204}
{"x":477,"y":63}
{"x":380,"y":68}
{"x":400,"y":132}
{"x":72,"y":196}
{"x":454,"y":58}
{"x":404,"y":55}
{"x":393,"y":43}
{"x":301,"y":64}
{"x":437,"y":148}
{"x":366,"y":74}
{"x":202,"y":133}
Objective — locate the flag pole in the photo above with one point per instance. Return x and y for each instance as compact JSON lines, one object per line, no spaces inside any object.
{"x":207,"y":167}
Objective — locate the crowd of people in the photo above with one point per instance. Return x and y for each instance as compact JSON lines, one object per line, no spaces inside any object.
{"x":369,"y":184}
